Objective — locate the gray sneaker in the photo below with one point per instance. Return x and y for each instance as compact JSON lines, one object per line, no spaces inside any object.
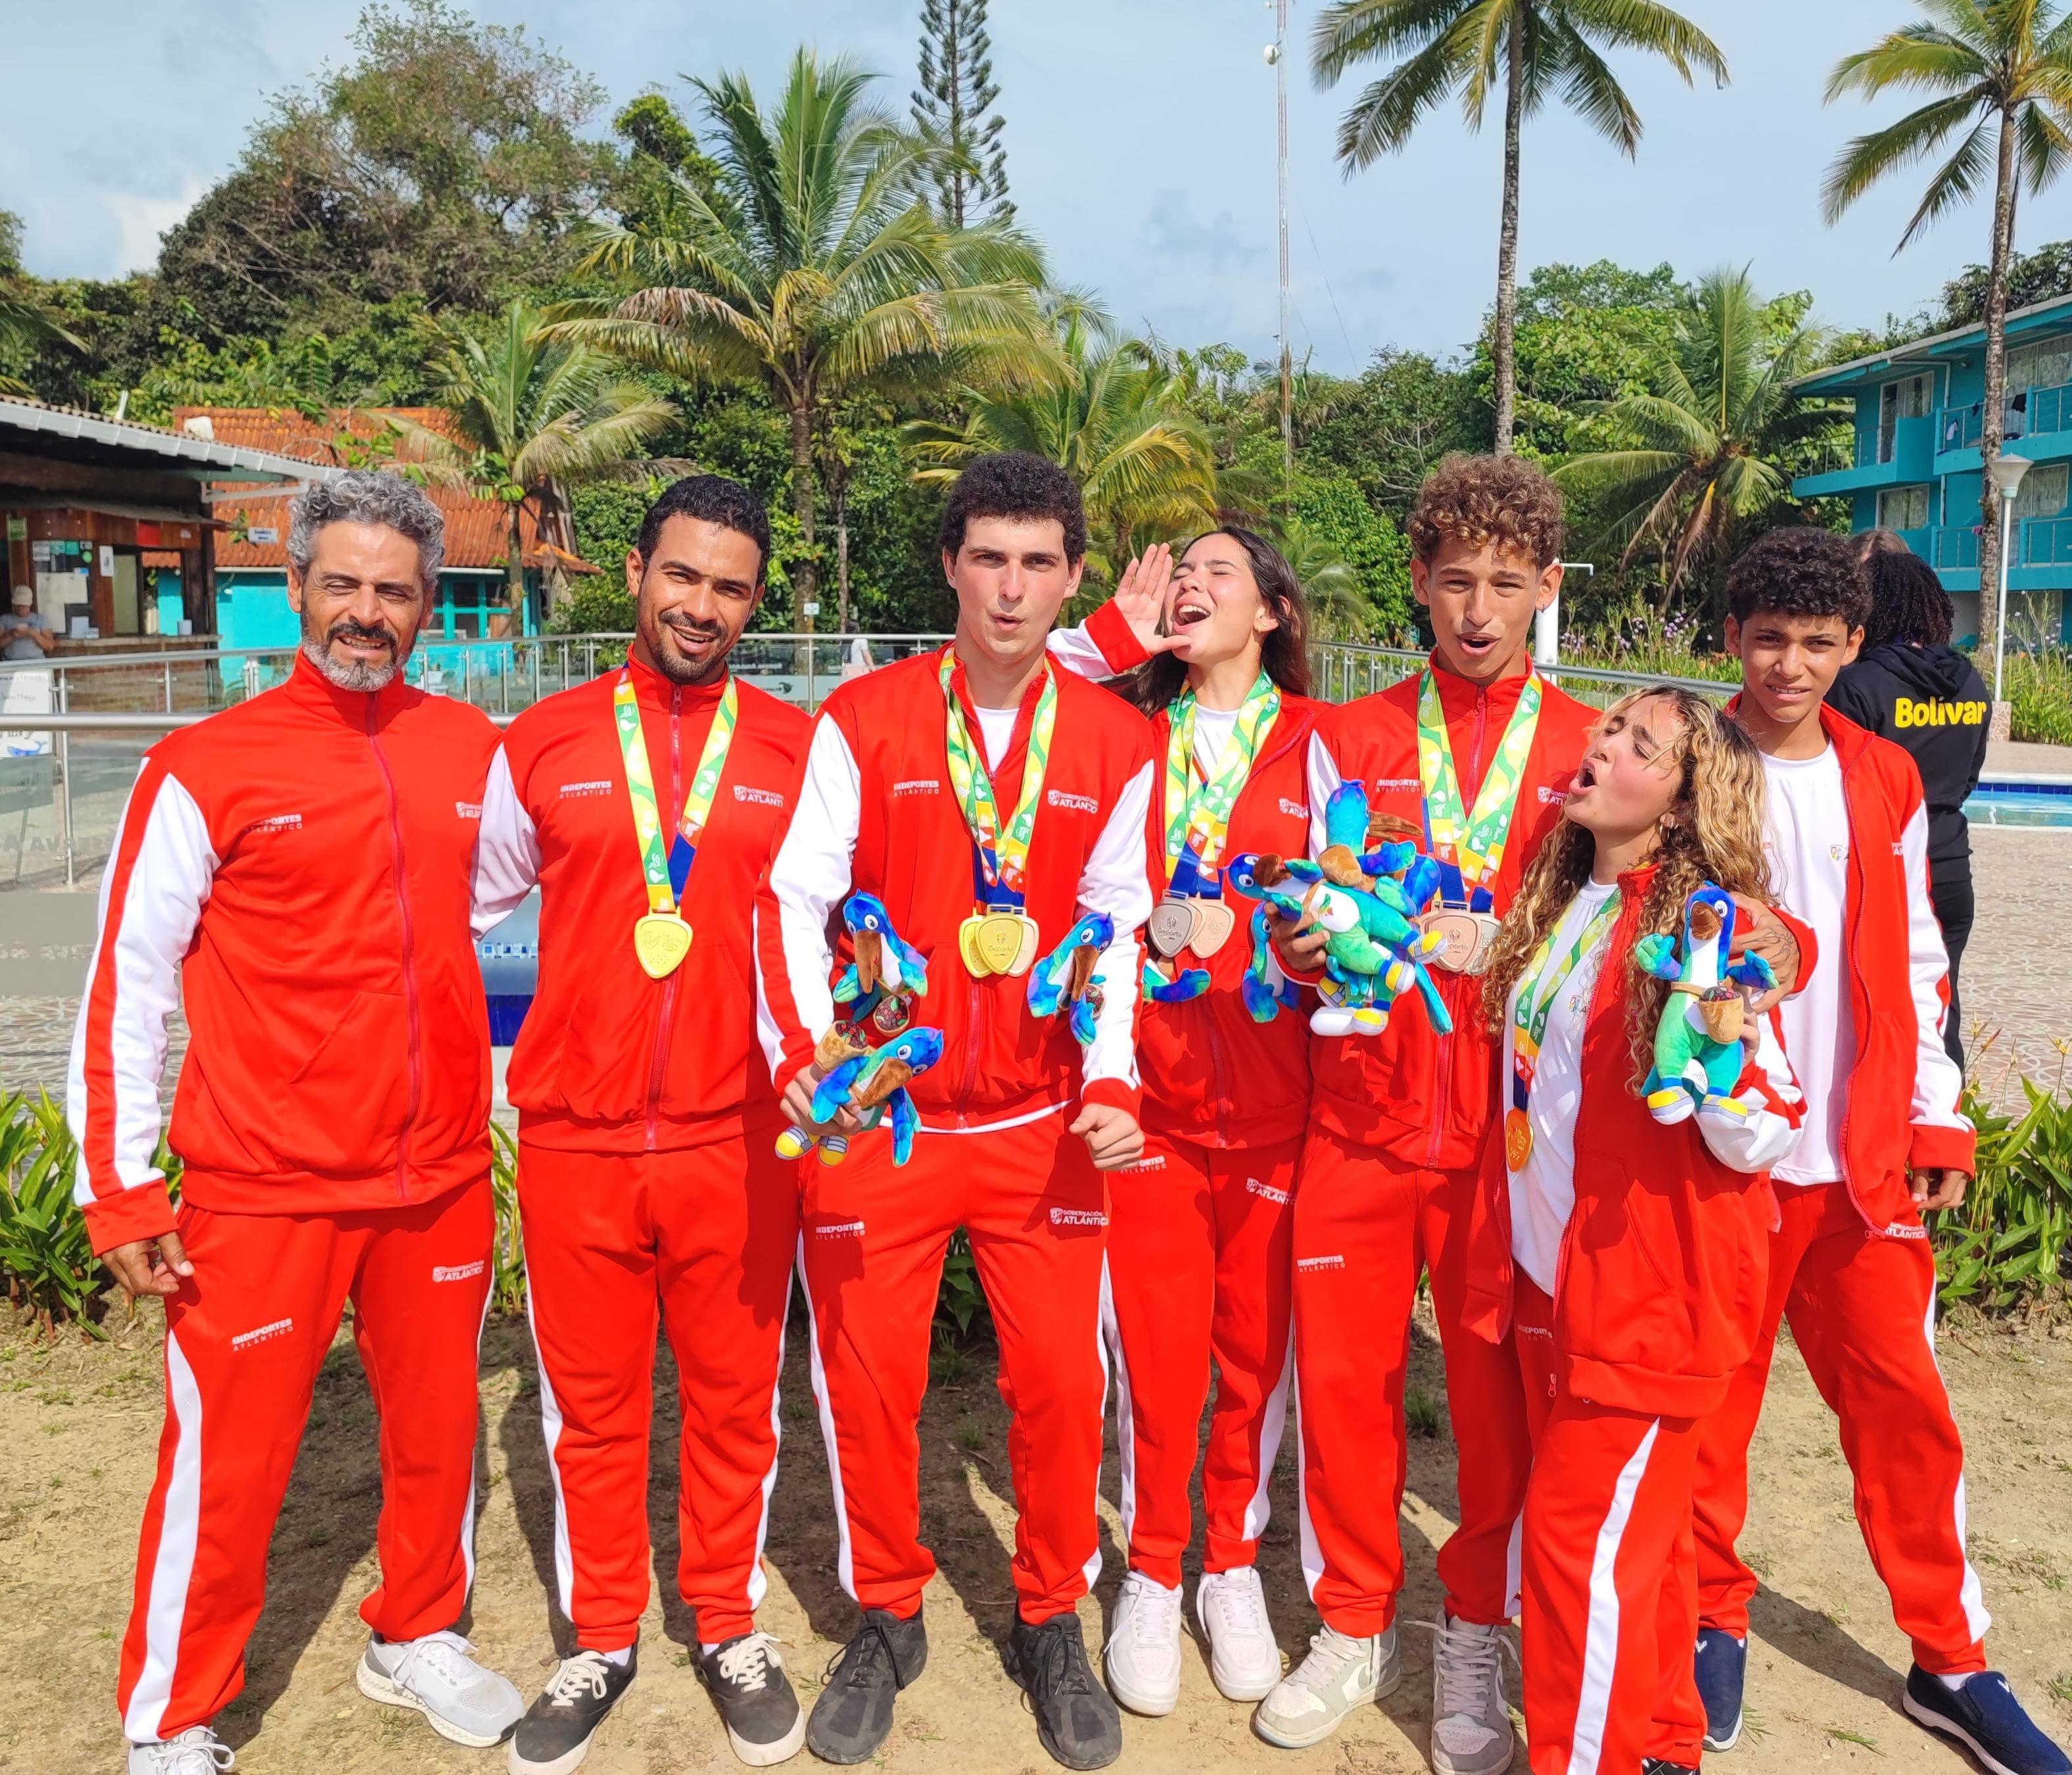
{"x":197,"y":1751}
{"x":1471,"y":1731}
{"x":436,"y":1677}
{"x":1339,"y":1675}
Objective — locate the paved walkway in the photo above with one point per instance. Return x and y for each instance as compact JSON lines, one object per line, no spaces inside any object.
{"x":2022,"y":758}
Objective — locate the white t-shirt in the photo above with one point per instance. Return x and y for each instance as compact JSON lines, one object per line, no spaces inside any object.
{"x":996,"y":728}
{"x":1807,"y":835}
{"x":1213,"y":727}
{"x":1542,"y":1195}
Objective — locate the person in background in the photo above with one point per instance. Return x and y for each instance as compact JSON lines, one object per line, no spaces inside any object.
{"x":28,"y":635}
{"x":1908,"y":685}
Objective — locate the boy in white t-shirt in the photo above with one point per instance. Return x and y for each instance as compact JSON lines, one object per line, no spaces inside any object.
{"x":1884,"y":1141}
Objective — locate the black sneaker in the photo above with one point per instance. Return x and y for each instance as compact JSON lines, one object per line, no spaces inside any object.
{"x":1721,"y":1666}
{"x":747,"y":1680}
{"x":1076,"y":1718}
{"x":1661,"y":1765}
{"x":1982,"y":1712}
{"x":555,"y":1734}
{"x":854,"y":1712}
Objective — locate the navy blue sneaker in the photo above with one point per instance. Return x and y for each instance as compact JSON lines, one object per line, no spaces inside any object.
{"x":1985,"y":1715}
{"x":1722,"y":1667}
{"x":1661,"y":1765}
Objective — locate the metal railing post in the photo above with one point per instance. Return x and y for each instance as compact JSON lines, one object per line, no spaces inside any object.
{"x":64,"y":770}
{"x":169,"y":686}
{"x":503,"y":682}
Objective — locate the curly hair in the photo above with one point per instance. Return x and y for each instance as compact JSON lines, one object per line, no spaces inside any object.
{"x":1483,"y":499}
{"x":715,"y":500}
{"x":1797,"y":570}
{"x":367,"y":495}
{"x":1713,"y":832}
{"x":1283,"y":652}
{"x":1014,"y":483}
{"x":1908,"y":603}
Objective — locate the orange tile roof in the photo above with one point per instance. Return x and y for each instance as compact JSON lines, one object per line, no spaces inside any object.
{"x":474,"y":523}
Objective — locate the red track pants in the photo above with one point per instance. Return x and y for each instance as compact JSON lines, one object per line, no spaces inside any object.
{"x":1862,"y":1312}
{"x":1365,"y":1225}
{"x":1610,"y":1579}
{"x":244,"y":1339}
{"x":1197,"y":1262}
{"x":704,"y":1238}
{"x":872,"y":1248}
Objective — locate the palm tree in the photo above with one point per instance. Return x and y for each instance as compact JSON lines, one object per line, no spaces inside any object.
{"x":1536,"y":48}
{"x":26,"y":322}
{"x":529,"y":414}
{"x":1111,"y":413}
{"x":811,"y":266}
{"x":2003,"y":68}
{"x":1340,"y":609}
{"x":1700,"y":458}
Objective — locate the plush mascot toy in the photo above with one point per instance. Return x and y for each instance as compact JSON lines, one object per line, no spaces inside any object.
{"x":1367,"y":903}
{"x":872,"y":1083}
{"x":887,"y":973}
{"x":1700,"y":1040}
{"x":1066,"y":976}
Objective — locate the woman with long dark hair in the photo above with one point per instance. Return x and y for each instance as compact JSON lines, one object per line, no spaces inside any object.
{"x":1910,"y":685}
{"x":1200,"y":1263}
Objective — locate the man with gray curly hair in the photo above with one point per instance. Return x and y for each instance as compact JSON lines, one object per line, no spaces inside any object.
{"x":296,"y":871}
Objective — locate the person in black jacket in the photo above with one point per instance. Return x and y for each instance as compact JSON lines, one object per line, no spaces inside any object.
{"x":1910,"y":685}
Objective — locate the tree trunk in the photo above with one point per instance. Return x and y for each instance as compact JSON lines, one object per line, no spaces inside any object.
{"x":514,"y":563}
{"x":1995,"y":399}
{"x":1504,"y":347}
{"x":841,"y":564}
{"x":805,"y":576}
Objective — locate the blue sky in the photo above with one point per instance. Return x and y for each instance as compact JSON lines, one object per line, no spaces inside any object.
{"x":1140,"y":135}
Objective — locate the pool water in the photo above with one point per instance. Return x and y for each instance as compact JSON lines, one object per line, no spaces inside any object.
{"x":2022,"y":804}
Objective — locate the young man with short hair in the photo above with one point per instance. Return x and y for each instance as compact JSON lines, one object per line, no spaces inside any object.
{"x":1885,"y":1140}
{"x":293,"y":871}
{"x":990,"y":801}
{"x":645,"y":805}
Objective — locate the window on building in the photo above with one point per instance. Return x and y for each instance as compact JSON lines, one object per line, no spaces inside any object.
{"x":1903,"y":508}
{"x":1898,"y":400}
{"x":2042,"y":492}
{"x":2046,"y":365}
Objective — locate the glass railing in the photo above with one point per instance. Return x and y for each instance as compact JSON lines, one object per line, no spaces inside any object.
{"x":1956,"y":546}
{"x":2046,"y":542}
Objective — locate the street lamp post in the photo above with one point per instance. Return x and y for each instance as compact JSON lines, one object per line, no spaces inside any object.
{"x":2007,"y":472}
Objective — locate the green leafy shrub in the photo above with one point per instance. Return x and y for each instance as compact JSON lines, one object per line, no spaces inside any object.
{"x":506,"y":1286}
{"x":2039,"y":687}
{"x":2010,"y":1239}
{"x":960,"y":1300}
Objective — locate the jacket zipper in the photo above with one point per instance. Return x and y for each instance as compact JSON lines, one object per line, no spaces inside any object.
{"x":1443,"y":1068}
{"x":668,"y":1006}
{"x":409,"y":960}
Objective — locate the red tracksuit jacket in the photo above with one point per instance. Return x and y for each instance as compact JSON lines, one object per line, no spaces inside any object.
{"x":1665,"y":1261}
{"x":1903,"y":1087}
{"x":1212,"y":1076}
{"x":610,"y":1060}
{"x":296,"y":870}
{"x":1424,"y":1097}
{"x":877,"y":812}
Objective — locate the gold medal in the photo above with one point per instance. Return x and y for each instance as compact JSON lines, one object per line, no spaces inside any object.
{"x":1214,"y":922}
{"x":1517,"y":1139}
{"x":998,"y":941}
{"x":1171,"y":925}
{"x":1466,"y":936}
{"x":661,"y":940}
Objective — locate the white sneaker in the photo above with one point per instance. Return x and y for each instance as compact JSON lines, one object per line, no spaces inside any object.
{"x":197,"y":1751}
{"x":1242,"y":1657}
{"x":1339,"y":1675}
{"x":464,"y":1701}
{"x":1141,"y":1659}
{"x":1471,"y":1731}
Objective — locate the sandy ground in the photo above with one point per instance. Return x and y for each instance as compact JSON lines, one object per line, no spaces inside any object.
{"x":82,"y":1421}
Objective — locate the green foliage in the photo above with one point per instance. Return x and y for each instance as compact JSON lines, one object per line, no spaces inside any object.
{"x":960,"y":1299}
{"x":1330,"y":514}
{"x":2032,"y":277}
{"x":606,"y":518}
{"x":507,"y":1278}
{"x":2039,"y":686}
{"x":950,"y":107}
{"x":598,"y":604}
{"x":2011,"y":1240}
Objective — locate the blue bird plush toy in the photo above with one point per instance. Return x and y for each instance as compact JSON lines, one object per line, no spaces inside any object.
{"x":1066,"y":977}
{"x":872,"y":1085}
{"x":887,"y":973}
{"x":1700,"y":1038}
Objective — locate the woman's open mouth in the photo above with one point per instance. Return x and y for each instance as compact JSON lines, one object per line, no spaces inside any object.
{"x":1189,"y":611}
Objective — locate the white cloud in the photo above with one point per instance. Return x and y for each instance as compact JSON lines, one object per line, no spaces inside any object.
{"x":141,"y":218}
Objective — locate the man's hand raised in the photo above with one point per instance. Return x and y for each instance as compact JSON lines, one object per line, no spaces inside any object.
{"x":150,"y":1266}
{"x":1140,"y":596}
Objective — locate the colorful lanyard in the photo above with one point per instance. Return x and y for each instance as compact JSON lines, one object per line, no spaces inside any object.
{"x":1002,"y":853}
{"x":667,"y":870}
{"x":1537,"y":992}
{"x":1198,"y":813}
{"x":1469,"y":846}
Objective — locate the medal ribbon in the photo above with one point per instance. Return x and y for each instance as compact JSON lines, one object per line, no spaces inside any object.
{"x":665,"y":870}
{"x":1469,"y":845}
{"x":1001,"y":852}
{"x":1198,"y":813}
{"x":1537,"y":992}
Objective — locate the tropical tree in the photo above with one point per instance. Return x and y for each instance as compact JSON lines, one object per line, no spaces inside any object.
{"x":810,"y":265}
{"x":528,"y":414}
{"x":2003,"y":70}
{"x":26,"y":322}
{"x":1700,"y":452}
{"x":1339,"y":607}
{"x":1112,"y":414}
{"x":950,"y":110}
{"x":1531,"y":49}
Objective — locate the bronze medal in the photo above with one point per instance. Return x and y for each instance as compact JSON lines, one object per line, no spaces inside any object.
{"x":660,"y":942}
{"x":1214,"y":923}
{"x":1466,"y":938}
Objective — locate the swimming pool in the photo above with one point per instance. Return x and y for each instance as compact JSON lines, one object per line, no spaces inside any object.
{"x":2008,"y":803}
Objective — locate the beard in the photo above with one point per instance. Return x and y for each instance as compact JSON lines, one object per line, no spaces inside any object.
{"x":672,"y":665}
{"x":353,"y":674}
